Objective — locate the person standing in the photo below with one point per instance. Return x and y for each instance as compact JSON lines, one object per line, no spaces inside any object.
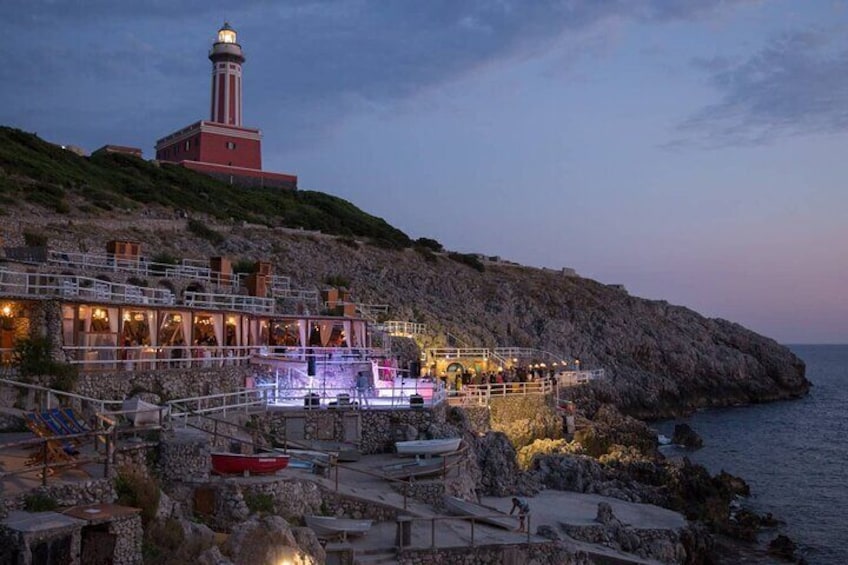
{"x":523,"y":509}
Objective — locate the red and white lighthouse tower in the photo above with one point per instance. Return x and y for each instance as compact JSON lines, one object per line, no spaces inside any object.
{"x":226,"y":56}
{"x":222,"y":147}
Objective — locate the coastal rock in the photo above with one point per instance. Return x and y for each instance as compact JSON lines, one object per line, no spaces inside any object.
{"x":605,"y":515}
{"x":687,"y":437}
{"x":782,"y":547}
{"x":609,"y":427}
{"x":263,"y":539}
{"x":213,"y":556}
{"x":500,"y":474}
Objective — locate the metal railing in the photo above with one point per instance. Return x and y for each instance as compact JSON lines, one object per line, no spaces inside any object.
{"x":252,"y":304}
{"x":481,"y":395}
{"x":399,"y":328}
{"x":241,"y":400}
{"x":574,"y":378}
{"x":47,"y":396}
{"x":16,"y":283}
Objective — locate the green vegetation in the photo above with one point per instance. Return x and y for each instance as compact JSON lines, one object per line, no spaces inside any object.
{"x":200,"y":229}
{"x":468,"y":259}
{"x":259,"y":502}
{"x":430,"y":244}
{"x":34,"y":239}
{"x":39,"y":502}
{"x":134,"y":488}
{"x":32,"y":357}
{"x":48,"y":176}
{"x":337,"y":281}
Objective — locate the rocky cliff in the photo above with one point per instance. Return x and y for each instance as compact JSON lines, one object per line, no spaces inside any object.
{"x":660,"y":360}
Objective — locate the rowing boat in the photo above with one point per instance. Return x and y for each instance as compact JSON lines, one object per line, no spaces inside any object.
{"x":256,"y":463}
{"x":417,"y":468}
{"x":427,"y":446}
{"x":331,"y":526}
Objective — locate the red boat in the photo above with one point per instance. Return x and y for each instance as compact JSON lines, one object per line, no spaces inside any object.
{"x":257,"y":463}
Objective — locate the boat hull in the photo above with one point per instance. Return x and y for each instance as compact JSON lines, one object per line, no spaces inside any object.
{"x":259,"y":463}
{"x":330,"y":527}
{"x":418,"y":468}
{"x":427,"y":446}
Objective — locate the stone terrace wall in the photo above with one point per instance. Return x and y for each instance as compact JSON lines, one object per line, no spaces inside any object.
{"x":170,"y":384}
{"x":549,"y":553}
{"x":379,"y":426}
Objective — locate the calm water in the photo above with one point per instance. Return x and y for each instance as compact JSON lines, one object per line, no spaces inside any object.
{"x":792,"y":454}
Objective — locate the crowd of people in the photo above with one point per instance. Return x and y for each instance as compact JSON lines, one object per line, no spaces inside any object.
{"x":459,"y":379}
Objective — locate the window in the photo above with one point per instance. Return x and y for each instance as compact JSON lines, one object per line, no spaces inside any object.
{"x":231,"y":145}
{"x":187,"y":144}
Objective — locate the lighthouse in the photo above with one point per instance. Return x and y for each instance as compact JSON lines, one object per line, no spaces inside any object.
{"x":227,"y":57}
{"x":221,"y":146}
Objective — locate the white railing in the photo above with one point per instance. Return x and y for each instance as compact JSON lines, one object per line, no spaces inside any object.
{"x":150,"y":358}
{"x":242,"y":399}
{"x":371,"y":310}
{"x":70,"y":398}
{"x":298,"y":294}
{"x":574,"y":378}
{"x":273,"y":282}
{"x":460,"y":352}
{"x":481,"y":395}
{"x":73,"y":286}
{"x":253,"y":304}
{"x":405,"y":329}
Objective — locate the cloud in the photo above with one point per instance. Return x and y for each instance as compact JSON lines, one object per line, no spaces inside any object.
{"x":309,"y":62}
{"x":797,"y":84}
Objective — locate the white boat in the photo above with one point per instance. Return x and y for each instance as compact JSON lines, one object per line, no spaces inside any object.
{"x":331,"y":527}
{"x":478,"y":512}
{"x":427,"y":446}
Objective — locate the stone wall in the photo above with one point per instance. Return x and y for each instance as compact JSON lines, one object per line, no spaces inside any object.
{"x":67,"y":494}
{"x":379,"y":427}
{"x":129,"y":536}
{"x":549,"y":553}
{"x":184,"y":455}
{"x":479,"y":418}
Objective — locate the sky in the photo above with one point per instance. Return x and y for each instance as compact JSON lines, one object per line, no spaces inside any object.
{"x":693,"y":151}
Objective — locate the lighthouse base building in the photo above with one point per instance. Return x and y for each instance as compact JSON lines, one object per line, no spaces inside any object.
{"x":221,"y":147}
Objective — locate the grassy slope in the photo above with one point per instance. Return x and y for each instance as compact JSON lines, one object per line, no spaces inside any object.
{"x":46,"y":175}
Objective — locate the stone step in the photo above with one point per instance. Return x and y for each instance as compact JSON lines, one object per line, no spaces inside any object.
{"x":373,"y":558}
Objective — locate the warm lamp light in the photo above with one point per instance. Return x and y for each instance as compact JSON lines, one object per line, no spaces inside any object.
{"x":7,"y":311}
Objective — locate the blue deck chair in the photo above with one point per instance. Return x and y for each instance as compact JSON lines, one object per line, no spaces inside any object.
{"x":70,"y":420}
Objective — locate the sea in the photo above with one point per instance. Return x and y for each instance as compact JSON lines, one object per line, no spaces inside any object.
{"x":793,"y":455}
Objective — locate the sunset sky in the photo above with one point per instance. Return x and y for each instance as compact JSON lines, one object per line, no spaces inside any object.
{"x":694,"y":151}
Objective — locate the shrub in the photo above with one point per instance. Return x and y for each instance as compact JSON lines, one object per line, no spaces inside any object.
{"x":545,"y":447}
{"x":134,"y":488}
{"x":244,"y":266}
{"x":259,"y":502}
{"x":200,"y":229}
{"x":337,"y":281}
{"x":348,"y":241}
{"x":39,"y":502}
{"x":468,"y":259}
{"x":430,"y":244}
{"x":32,"y":357}
{"x":428,"y":255}
{"x":136,"y":281}
{"x":34,"y":239}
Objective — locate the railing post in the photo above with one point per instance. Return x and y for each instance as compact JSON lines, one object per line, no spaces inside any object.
{"x":44,"y":463}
